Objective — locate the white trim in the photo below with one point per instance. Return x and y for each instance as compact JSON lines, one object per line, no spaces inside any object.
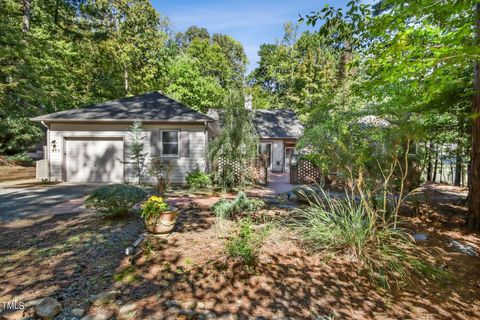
{"x":285,"y":158}
{"x":173,"y":155}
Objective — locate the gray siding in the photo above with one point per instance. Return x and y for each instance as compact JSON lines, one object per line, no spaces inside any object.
{"x":196,"y":156}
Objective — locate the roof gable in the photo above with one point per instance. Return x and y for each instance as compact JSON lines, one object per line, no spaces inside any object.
{"x":270,"y":123}
{"x":148,"y":107}
{"x":277,"y":123}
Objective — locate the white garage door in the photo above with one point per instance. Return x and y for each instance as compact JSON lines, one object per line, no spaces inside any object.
{"x":94,"y":159}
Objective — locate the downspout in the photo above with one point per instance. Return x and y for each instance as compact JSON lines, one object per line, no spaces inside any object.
{"x":206,"y":146}
{"x":48,"y":147}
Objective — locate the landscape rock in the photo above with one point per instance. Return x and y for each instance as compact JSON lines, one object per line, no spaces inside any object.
{"x":420,"y":236}
{"x":464,"y":248}
{"x":77,"y":312}
{"x":105,"y":297}
{"x":48,"y":308}
{"x":12,"y":315}
{"x":172,"y":304}
{"x":127,"y":311}
{"x":100,"y":314}
{"x":207,"y":314}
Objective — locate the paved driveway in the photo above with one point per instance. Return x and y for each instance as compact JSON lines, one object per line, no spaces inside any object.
{"x":23,"y":200}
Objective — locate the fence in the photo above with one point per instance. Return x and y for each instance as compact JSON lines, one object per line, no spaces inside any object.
{"x":304,"y":171}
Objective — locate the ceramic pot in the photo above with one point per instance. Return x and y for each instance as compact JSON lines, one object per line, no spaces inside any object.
{"x":162,"y":224}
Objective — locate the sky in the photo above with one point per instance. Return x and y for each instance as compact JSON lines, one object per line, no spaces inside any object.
{"x":252,"y":22}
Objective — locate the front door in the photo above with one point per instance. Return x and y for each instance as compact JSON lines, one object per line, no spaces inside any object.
{"x":289,"y":152}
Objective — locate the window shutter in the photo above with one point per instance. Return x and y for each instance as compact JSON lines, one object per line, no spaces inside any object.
{"x":155,"y":143}
{"x":184,"y":143}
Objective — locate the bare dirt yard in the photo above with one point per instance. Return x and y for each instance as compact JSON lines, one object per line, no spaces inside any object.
{"x":186,"y":275}
{"x":12,"y":172}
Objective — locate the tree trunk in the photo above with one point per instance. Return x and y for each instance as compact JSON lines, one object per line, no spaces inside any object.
{"x":125,"y":79}
{"x":435,"y":166}
{"x":26,"y":16}
{"x":474,"y":190}
{"x":441,"y":167}
{"x":458,"y":166}
{"x":429,"y":165}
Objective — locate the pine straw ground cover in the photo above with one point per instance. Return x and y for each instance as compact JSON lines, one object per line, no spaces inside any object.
{"x":190,"y":268}
{"x":72,"y":257}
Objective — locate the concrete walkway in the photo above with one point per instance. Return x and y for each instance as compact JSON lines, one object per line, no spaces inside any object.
{"x":22,"y":200}
{"x":280,"y":187}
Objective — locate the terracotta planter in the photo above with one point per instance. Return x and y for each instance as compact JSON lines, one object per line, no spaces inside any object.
{"x":163,"y":224}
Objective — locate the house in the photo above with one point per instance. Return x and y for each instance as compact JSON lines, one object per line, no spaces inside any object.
{"x":90,"y":144}
{"x":278,"y":131}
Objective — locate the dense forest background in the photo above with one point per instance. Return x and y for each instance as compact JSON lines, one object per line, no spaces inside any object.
{"x":407,"y":65}
{"x":62,"y":54}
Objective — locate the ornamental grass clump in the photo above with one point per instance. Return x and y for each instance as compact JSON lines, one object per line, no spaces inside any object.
{"x":349,"y":227}
{"x":229,"y":209}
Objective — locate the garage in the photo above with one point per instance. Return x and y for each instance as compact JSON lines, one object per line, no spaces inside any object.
{"x":94,"y":159}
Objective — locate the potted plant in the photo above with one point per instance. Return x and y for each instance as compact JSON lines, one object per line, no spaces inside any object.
{"x":159,"y":217}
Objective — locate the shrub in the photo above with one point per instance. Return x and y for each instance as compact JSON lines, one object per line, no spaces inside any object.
{"x":198,"y":179}
{"x":346,"y":226}
{"x":247,"y":243}
{"x":115,"y":200}
{"x":20,"y":159}
{"x":228,"y":209}
{"x":153,"y":207}
{"x":305,"y":194}
{"x":162,"y":170}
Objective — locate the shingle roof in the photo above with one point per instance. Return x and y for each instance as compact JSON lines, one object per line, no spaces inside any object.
{"x":277,"y":123}
{"x":152,"y":106}
{"x":272,"y":123}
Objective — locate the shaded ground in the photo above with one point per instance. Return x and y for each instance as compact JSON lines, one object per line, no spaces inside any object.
{"x":66,"y":256}
{"x":23,"y":200}
{"x":80,"y":255}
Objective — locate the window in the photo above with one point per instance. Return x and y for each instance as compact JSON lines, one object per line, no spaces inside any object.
{"x":170,"y":143}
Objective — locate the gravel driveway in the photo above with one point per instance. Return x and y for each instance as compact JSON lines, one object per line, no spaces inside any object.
{"x":21,"y":200}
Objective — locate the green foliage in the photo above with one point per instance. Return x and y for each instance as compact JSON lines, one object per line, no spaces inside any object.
{"x":247,"y":243}
{"x":153,"y":207}
{"x":198,"y":179}
{"x":335,"y":226}
{"x":75,"y":53}
{"x":233,"y":152}
{"x":230,"y":209}
{"x":20,"y":159}
{"x":115,"y":200}
{"x":188,"y":85}
{"x":136,"y":153}
{"x":297,"y":73}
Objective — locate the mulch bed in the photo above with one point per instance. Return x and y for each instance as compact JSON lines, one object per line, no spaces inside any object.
{"x":68,"y":257}
{"x":80,"y":255}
